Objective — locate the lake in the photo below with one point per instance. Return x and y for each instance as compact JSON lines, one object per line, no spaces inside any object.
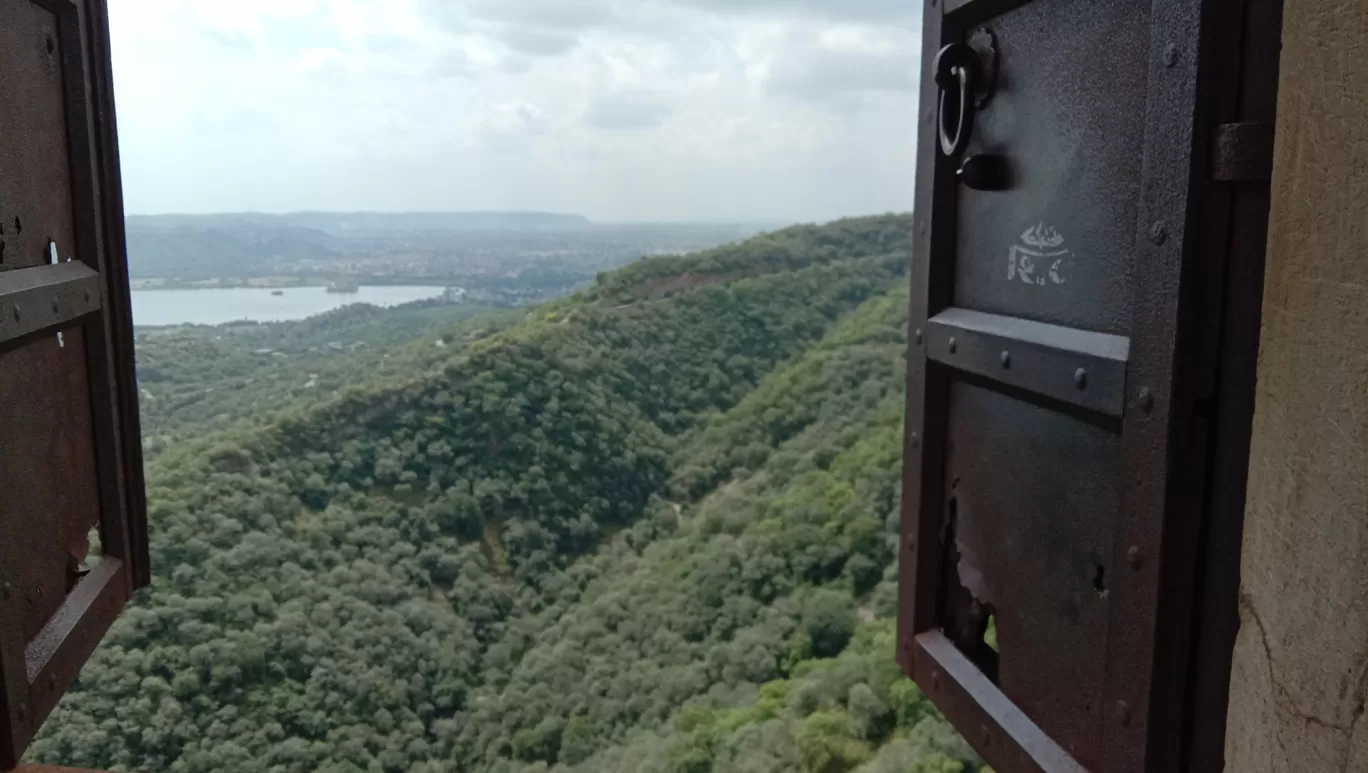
{"x":217,"y":306}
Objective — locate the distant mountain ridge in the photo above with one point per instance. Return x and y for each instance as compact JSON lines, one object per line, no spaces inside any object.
{"x":349,"y":223}
{"x":422,"y":247}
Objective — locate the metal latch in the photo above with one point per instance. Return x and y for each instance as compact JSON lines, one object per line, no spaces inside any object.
{"x":1243,"y":152}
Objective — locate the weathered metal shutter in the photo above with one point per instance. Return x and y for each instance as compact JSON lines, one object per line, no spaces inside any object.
{"x":70,"y":453}
{"x":1090,"y":221}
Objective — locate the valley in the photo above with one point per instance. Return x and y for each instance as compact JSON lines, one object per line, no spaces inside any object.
{"x":651,"y":526}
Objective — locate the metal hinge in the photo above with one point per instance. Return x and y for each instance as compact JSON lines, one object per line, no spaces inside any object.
{"x":1243,"y":152}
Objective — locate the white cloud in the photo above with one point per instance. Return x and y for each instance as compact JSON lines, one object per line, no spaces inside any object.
{"x":860,"y":10}
{"x":613,"y":113}
{"x":645,"y":109}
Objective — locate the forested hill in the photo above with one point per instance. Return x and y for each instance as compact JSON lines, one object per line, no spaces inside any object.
{"x":648,"y":528}
{"x":195,"y":378}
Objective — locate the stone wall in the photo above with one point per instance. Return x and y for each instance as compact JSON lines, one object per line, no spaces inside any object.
{"x":1300,"y":674}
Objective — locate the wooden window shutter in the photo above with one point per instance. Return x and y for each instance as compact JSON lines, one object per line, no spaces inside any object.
{"x":73,"y":527}
{"x":1091,"y":209}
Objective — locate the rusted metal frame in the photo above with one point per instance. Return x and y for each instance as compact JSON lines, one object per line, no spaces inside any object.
{"x":57,"y":7}
{"x":1006,"y":737}
{"x":1215,"y":618}
{"x":54,"y":658}
{"x":75,"y":289}
{"x":1171,"y":444}
{"x":78,"y":58}
{"x":1198,"y":597}
{"x":1218,"y":96}
{"x":50,"y":651}
{"x":34,"y":675}
{"x":1243,"y":152}
{"x":96,"y":193}
{"x":116,"y":411}
{"x":44,"y":299}
{"x":49,"y":663}
{"x":1252,"y":46}
{"x":962,"y":685}
{"x":1145,"y":676}
{"x":85,"y":184}
{"x":927,"y":387}
{"x":1185,"y":666}
{"x":968,"y":12}
{"x":49,"y":769}
{"x":1221,"y":50}
{"x":15,"y":716}
{"x":1074,"y":366}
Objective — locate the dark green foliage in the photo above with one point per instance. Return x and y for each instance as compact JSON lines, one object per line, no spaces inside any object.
{"x":786,"y":250}
{"x":828,"y":622}
{"x":619,"y":536}
{"x":196,"y":378}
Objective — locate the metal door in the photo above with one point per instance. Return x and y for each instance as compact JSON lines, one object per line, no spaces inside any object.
{"x":1091,"y":197}
{"x":70,"y":453}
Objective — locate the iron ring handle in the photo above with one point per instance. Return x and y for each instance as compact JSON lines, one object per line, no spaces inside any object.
{"x":956,"y":67}
{"x":953,"y":144}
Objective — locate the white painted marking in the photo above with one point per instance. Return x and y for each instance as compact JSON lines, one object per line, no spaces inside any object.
{"x":1040,"y":259}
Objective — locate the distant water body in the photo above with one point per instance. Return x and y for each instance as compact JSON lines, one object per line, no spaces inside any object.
{"x":217,"y":306}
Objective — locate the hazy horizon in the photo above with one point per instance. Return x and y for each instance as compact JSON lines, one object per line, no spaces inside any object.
{"x":651,"y":111}
{"x":548,"y":213}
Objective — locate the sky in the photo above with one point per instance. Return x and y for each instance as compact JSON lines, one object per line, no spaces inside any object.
{"x":615,"y":109}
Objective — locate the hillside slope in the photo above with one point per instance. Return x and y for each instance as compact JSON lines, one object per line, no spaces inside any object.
{"x":195,"y":378}
{"x":642,"y":529}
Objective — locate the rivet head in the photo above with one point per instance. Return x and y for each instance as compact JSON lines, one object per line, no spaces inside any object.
{"x":1170,"y":55}
{"x":1158,"y":234}
{"x":55,"y":306}
{"x":87,"y":296}
{"x":954,"y":345}
{"x":1135,"y":558}
{"x":916,"y":440}
{"x":935,"y":680}
{"x":1006,"y":358}
{"x":917,"y":335}
{"x":1123,"y":714}
{"x":1081,"y":378}
{"x":1146,"y":399}
{"x":23,"y":712}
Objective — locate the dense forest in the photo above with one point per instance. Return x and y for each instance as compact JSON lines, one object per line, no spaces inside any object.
{"x":650,"y":527}
{"x":198,"y":377}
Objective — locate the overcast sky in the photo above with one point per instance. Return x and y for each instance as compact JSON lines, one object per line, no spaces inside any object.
{"x":619,"y":110}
